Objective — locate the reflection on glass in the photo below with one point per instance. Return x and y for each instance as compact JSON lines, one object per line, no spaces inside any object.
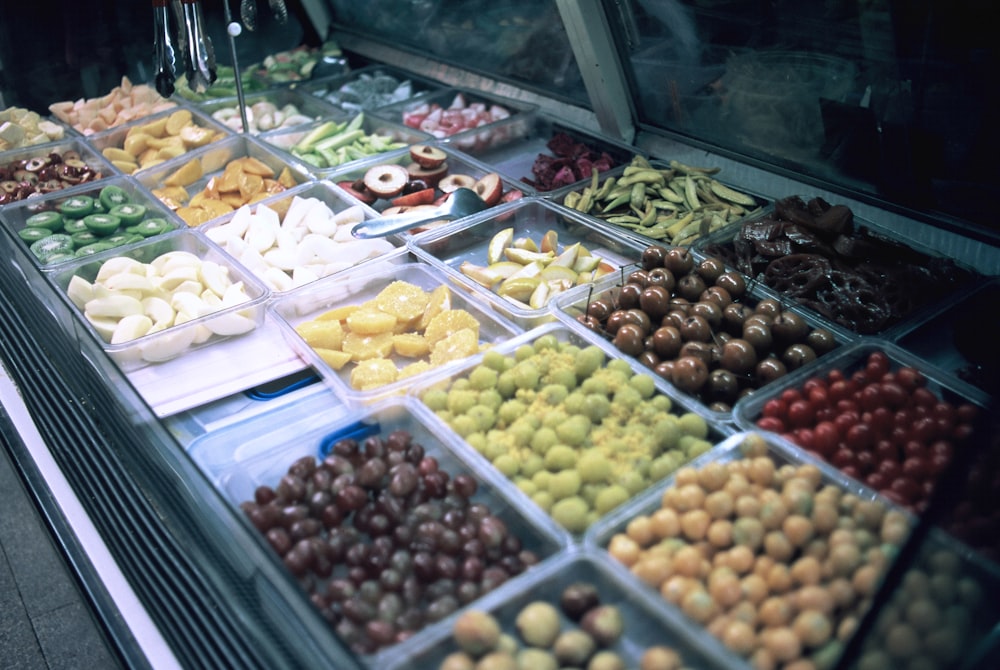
{"x":883,"y":96}
{"x":521,"y":41}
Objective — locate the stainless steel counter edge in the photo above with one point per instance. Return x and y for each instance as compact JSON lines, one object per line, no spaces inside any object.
{"x":127,"y":604}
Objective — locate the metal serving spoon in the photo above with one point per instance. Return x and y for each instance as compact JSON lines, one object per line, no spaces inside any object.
{"x":463,"y":202}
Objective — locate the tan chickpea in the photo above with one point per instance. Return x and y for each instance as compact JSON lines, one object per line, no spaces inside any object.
{"x":640,"y":531}
{"x":660,"y":658}
{"x":724,"y":587}
{"x":694,"y":524}
{"x":675,"y":587}
{"x":778,"y":547}
{"x":664,"y":523}
{"x":719,"y":504}
{"x":741,"y":559}
{"x":813,"y":628}
{"x":652,"y":570}
{"x":624,"y":550}
{"x":739,"y":636}
{"x":824,"y":517}
{"x":684,"y":476}
{"x":687,"y":561}
{"x":813,"y":597}
{"x":782,"y":642}
{"x":720,"y":533}
{"x":737,"y":485}
{"x":776,"y":611}
{"x":761,"y":471}
{"x":713,"y":476}
{"x":754,"y":589}
{"x":689,"y":497}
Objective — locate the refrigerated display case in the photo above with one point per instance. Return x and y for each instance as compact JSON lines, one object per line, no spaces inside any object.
{"x":879,"y":107}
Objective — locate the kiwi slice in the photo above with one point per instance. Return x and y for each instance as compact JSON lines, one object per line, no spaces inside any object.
{"x":121,"y":239}
{"x":150,"y":227}
{"x":130,"y":214}
{"x":83,"y":238}
{"x":33,"y":233}
{"x":77,"y":206}
{"x":95,"y":248}
{"x":50,"y":220}
{"x":73,"y":226}
{"x":102,"y":224}
{"x":56,"y":243}
{"x":112,"y":196}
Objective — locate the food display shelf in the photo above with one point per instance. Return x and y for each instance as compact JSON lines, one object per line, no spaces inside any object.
{"x":193,"y":440}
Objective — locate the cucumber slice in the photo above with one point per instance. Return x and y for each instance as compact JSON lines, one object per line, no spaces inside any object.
{"x":102,"y":224}
{"x":56,"y":243}
{"x":77,"y":206}
{"x":33,"y":233}
{"x":112,"y":196}
{"x":50,"y":220}
{"x":130,"y":214}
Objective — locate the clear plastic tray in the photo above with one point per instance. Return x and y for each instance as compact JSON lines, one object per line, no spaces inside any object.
{"x":489,"y":131}
{"x":646,"y":624}
{"x":569,"y":307}
{"x":849,"y":359}
{"x":456,"y":164}
{"x":467,"y":245}
{"x":488,"y":446}
{"x":206,"y":130}
{"x":514,"y":152}
{"x":362,"y":284}
{"x":284,"y":445}
{"x":15,"y":216}
{"x":697,"y":223}
{"x":305,"y":267}
{"x":285,"y":141}
{"x":69,"y":143}
{"x":953,"y":339}
{"x":337,"y":91}
{"x":213,"y":160}
{"x":216,"y":324}
{"x":954,"y":277}
{"x":730,"y":449}
{"x":226,"y":110}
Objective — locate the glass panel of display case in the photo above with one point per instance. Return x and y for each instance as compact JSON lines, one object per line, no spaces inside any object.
{"x":519,"y":40}
{"x":882,"y":97}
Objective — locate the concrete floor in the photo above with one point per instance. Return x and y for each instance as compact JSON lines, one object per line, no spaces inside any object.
{"x":45,"y":622}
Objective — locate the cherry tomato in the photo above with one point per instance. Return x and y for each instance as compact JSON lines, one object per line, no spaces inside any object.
{"x":819,"y":397}
{"x":840,"y":390}
{"x":813,"y":383}
{"x":826,"y":414}
{"x":962,"y":432}
{"x":876,"y":480}
{"x":847,"y":405}
{"x":771,"y":423}
{"x":890,"y":469}
{"x":924,"y":429}
{"x":904,"y":418}
{"x":881,"y":420}
{"x":791,"y":395}
{"x":805,"y":438}
{"x":914,"y":448}
{"x":860,"y":437}
{"x":801,"y":413}
{"x":843,"y":457}
{"x":916,"y":468}
{"x":851,"y":471}
{"x":945,"y":410}
{"x":899,"y":435}
{"x":825,"y":438}
{"x":865,"y":461}
{"x":871,"y":397}
{"x":906,"y":488}
{"x":893,"y":395}
{"x":860,"y":378}
{"x":938,"y":461}
{"x":835,"y":375}
{"x":967,"y":412}
{"x":845,"y":420}
{"x":878,"y":364}
{"x":775,"y":407}
{"x":924,"y":396}
{"x":886,"y":451}
{"x":910,"y":378}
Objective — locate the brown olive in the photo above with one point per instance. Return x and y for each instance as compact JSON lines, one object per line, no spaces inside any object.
{"x":718,"y":295}
{"x":662,"y":277}
{"x":689,"y":374}
{"x":690,"y":287}
{"x":734,"y":316}
{"x":733,"y":282}
{"x":665,"y":369}
{"x":798,"y":355}
{"x":590,"y":322}
{"x":722,"y":386}
{"x":738,"y":356}
{"x":649,"y":358}
{"x":615,"y":321}
{"x":789,"y":327}
{"x":639,"y":318}
{"x":628,"y":296}
{"x":821,"y":340}
{"x":600,"y":309}
{"x":758,"y":335}
{"x":768,"y":306}
{"x":655,"y":301}
{"x":695,"y":328}
{"x":640,"y":277}
{"x":703,"y":350}
{"x":710,"y":269}
{"x":679,"y":261}
{"x":629,"y":339}
{"x":769,"y":369}
{"x":667,"y":341}
{"x":652,"y":256}
{"x":709,"y":311}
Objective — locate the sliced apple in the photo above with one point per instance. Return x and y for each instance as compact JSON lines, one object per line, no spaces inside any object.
{"x":568,"y":257}
{"x":454,"y":182}
{"x":424,"y":196}
{"x":430,"y":176}
{"x":361,"y":194}
{"x":526,"y":243}
{"x":550,"y":241}
{"x":525,"y":256}
{"x":499,"y":242}
{"x":426,"y":156}
{"x":386,"y":181}
{"x":490,"y":188}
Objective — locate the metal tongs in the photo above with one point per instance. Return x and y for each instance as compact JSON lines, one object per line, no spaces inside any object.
{"x":200,"y":69}
{"x":164,"y":52}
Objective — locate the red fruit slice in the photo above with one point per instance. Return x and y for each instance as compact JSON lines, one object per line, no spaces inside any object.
{"x":490,"y":188}
{"x":386,"y":181}
{"x":421,"y":197}
{"x":427,"y":156}
{"x":430,"y":176}
{"x":364,"y":196}
{"x":456,"y":181}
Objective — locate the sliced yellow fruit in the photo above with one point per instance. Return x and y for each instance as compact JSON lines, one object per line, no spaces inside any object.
{"x":448,"y":322}
{"x":196,"y":136}
{"x":373,"y":373}
{"x":136,"y":143}
{"x":499,"y":242}
{"x":335,"y":359}
{"x":460,"y":344}
{"x":364,"y":347}
{"x":337,"y":313}
{"x":157,"y":128}
{"x":438,"y":301}
{"x":217,"y":207}
{"x":322,"y":334}
{"x":193,"y":216}
{"x":115,"y":154}
{"x":128,"y":167}
{"x":185,"y":175}
{"x":405,"y":301}
{"x":168,"y":152}
{"x":370,"y":322}
{"x":255,"y":166}
{"x":176,"y":121}
{"x":414,"y":368}
{"x":286,"y":178}
{"x":410,"y":345}
{"x":229,"y":182}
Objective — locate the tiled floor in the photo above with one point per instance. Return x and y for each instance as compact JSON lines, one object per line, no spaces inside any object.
{"x":45,"y":622}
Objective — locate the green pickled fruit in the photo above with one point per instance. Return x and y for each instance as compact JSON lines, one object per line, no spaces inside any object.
{"x":538,"y":624}
{"x":476,"y":632}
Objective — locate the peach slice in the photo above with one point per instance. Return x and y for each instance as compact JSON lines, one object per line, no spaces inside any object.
{"x":454,"y":182}
{"x":386,"y":181}
{"x":426,"y":156}
{"x":490,"y":188}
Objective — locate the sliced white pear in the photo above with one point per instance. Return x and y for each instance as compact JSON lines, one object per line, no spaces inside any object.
{"x":105,"y":326}
{"x":119,"y":265}
{"x":278,"y":280}
{"x":80,"y":291}
{"x":215,"y":277}
{"x":169,"y":281}
{"x":283,"y":260}
{"x":160,"y":311}
{"x":127,"y":281}
{"x":130,"y":328}
{"x":168,"y":344}
{"x":113,"y":306}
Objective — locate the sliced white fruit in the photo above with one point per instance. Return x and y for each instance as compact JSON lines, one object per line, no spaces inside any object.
{"x":130,"y":328}
{"x":80,"y":291}
{"x":113,"y":306}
